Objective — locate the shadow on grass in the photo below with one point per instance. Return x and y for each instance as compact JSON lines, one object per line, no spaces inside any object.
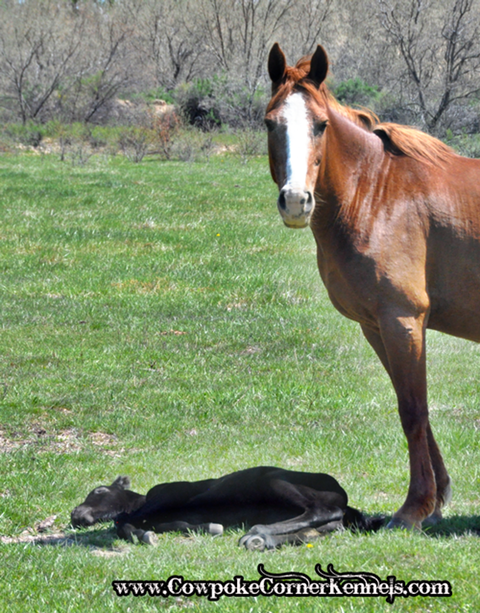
{"x":101,"y":540}
{"x":98,"y":539}
{"x":457,"y":525}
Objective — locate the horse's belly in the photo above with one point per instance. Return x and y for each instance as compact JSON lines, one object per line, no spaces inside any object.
{"x":453,"y":283}
{"x":457,"y":313}
{"x":456,"y":326}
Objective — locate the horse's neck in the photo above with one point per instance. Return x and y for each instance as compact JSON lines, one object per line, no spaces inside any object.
{"x":350,"y":167}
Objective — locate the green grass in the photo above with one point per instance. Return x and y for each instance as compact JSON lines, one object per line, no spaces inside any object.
{"x":159,"y":321}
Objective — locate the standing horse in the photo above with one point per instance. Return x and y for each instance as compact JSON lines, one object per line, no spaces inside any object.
{"x":396,"y":217}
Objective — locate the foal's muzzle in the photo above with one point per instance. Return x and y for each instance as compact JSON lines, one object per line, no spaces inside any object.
{"x":82,"y":516}
{"x":295,"y":207}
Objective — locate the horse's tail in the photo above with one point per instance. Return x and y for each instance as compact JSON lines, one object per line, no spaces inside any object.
{"x":359,"y":522}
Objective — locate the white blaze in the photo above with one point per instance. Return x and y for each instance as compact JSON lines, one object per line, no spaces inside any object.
{"x":298,"y":141}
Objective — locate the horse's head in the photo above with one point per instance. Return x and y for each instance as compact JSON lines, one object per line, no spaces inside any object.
{"x":296,"y":120}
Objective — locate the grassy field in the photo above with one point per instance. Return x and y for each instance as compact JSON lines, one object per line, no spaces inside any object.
{"x":157,"y":320}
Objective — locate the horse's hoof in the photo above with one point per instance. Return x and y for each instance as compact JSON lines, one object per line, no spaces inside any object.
{"x":150,"y":538}
{"x":215,"y":529}
{"x":253,"y":542}
{"x":433,"y":519}
{"x":403,"y":524}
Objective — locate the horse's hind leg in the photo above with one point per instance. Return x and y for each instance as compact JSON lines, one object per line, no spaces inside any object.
{"x":404,"y":342}
{"x":442,"y":479}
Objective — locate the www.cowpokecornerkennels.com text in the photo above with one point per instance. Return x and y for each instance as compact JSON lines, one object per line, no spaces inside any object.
{"x":290,"y":584}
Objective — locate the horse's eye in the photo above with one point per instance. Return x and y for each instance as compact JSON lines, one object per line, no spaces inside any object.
{"x":319,"y":128}
{"x":271,"y":125}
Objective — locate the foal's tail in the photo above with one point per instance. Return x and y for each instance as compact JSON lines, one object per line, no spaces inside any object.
{"x":358,"y":522}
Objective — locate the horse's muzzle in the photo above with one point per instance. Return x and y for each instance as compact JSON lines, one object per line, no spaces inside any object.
{"x":295,"y":206}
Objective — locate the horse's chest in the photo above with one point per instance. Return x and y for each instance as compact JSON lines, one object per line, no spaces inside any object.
{"x":345,"y":289}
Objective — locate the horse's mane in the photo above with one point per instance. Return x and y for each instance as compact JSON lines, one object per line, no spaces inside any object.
{"x":397,"y":139}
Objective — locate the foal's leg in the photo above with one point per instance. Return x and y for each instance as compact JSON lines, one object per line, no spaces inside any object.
{"x":442,"y":480}
{"x":260,"y":541}
{"x":322,"y":518}
{"x":129,"y":532}
{"x":185,"y":527}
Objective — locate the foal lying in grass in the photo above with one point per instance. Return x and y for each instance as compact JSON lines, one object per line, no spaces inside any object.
{"x":279,"y":506}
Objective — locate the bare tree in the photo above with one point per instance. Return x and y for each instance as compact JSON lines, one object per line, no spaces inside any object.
{"x":39,"y":44}
{"x":62,"y":59}
{"x":70,"y":59}
{"x":168,"y":41}
{"x":309,"y":23}
{"x":107,"y":65}
{"x":439,"y":45}
{"x":239,"y":33}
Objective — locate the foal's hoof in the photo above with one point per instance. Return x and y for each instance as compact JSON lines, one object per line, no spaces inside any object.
{"x":150,"y":538}
{"x":253,"y":542}
{"x":215,"y":529}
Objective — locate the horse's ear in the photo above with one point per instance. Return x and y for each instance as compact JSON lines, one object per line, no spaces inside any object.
{"x":277,"y":63}
{"x":318,"y":66}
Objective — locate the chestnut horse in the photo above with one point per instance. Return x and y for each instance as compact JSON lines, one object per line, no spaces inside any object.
{"x":396,"y":217}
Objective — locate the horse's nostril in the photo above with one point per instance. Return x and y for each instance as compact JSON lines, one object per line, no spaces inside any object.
{"x":309,"y":201}
{"x":281,"y":201}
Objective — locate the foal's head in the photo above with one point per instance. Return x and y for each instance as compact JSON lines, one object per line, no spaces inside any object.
{"x":106,"y":502}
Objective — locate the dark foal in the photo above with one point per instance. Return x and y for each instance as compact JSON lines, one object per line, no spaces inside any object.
{"x":280,"y":506}
{"x":107,"y":502}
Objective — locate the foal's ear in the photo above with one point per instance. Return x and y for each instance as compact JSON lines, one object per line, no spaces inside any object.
{"x":277,"y":63}
{"x":122,"y":483}
{"x":318,"y":66}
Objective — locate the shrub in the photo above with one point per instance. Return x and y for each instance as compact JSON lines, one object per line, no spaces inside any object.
{"x":29,"y":134}
{"x":165,"y":128}
{"x":221,"y":100}
{"x":465,"y":144}
{"x":357,"y":92}
{"x":192,"y":145}
{"x":250,"y":143}
{"x":135,"y":141}
{"x":196,"y":103}
{"x":159,"y":93}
